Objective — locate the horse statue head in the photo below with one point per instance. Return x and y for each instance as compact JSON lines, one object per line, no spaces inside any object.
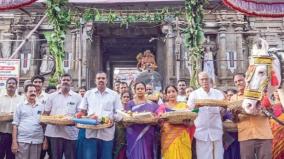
{"x":263,"y":76}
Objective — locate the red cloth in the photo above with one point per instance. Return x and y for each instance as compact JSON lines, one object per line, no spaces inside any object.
{"x":277,"y":109}
{"x":12,"y":4}
{"x":265,"y":102}
{"x":262,"y":8}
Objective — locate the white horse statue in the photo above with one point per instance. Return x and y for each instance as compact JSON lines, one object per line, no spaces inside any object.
{"x":263,"y":76}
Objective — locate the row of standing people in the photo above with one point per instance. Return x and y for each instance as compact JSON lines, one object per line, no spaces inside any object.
{"x":27,"y":138}
{"x":254,"y":137}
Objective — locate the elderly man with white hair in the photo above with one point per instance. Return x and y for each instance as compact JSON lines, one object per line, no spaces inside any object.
{"x":209,"y":129}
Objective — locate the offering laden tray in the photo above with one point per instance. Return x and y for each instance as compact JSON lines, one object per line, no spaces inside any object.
{"x":94,"y":127}
{"x":90,"y":123}
{"x":178,"y":117}
{"x":230,"y":126}
{"x":6,"y":117}
{"x":210,"y":102}
{"x":57,"y":120}
{"x":138,"y":118}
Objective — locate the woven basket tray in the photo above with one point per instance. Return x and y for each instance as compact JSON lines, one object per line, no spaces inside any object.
{"x":56,"y":121}
{"x":210,"y":102}
{"x":178,"y":117}
{"x":150,"y":120}
{"x":6,"y":117}
{"x":94,"y":127}
{"x":230,"y":126}
{"x":237,"y":105}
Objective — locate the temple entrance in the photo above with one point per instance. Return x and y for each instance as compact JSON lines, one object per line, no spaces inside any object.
{"x":119,"y":47}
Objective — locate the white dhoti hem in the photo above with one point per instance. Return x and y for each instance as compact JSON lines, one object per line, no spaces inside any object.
{"x":209,"y":149}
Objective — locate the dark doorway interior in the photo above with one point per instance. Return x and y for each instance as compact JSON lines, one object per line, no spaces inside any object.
{"x":120,"y":45}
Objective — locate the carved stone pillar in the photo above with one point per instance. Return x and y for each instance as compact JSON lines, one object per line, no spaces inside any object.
{"x":19,"y":36}
{"x":170,"y":58}
{"x":73,"y":48}
{"x":282,"y":40}
{"x":221,"y":64}
{"x":241,"y":65}
{"x":35,"y":49}
{"x":77,"y":50}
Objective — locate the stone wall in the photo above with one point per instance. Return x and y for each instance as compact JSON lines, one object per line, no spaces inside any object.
{"x":228,"y":35}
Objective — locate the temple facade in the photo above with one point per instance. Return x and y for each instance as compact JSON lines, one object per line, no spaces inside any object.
{"x":102,"y":46}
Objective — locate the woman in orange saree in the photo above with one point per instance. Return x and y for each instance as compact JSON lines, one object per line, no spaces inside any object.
{"x":176,"y":141}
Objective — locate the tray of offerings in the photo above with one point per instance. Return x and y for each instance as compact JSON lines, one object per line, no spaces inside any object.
{"x":93,"y":123}
{"x":138,"y":118}
{"x":6,"y":117}
{"x":210,"y":103}
{"x":179,"y":116}
{"x":94,"y":127}
{"x":57,"y":120}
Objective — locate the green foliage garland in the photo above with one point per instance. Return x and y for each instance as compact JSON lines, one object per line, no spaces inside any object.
{"x":194,"y":36}
{"x":59,"y":17}
{"x":125,"y":18}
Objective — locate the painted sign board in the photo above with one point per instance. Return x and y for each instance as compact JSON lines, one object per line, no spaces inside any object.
{"x":8,"y":68}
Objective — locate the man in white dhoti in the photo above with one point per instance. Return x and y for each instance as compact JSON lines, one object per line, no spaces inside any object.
{"x":209,"y":129}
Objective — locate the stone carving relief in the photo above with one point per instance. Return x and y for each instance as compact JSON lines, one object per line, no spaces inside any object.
{"x":210,"y":48}
{"x":47,"y":63}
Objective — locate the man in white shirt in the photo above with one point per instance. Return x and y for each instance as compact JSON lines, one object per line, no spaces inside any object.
{"x":181,"y":86}
{"x":8,"y":104}
{"x":27,"y":130}
{"x":209,"y":129}
{"x":103,"y":102}
{"x":63,"y":102}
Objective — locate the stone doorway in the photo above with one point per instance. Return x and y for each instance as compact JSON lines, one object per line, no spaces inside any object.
{"x":119,"y":46}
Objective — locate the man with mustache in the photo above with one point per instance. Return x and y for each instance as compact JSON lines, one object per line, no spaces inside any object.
{"x":181,"y":86}
{"x":8,"y":104}
{"x":102,"y":102}
{"x":254,"y":132}
{"x":27,"y":130}
{"x":116,"y":86}
{"x":62,"y":102}
{"x":38,"y":81}
{"x":123,"y":87}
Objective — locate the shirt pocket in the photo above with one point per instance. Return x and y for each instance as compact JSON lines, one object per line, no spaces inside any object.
{"x":71,"y":107}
